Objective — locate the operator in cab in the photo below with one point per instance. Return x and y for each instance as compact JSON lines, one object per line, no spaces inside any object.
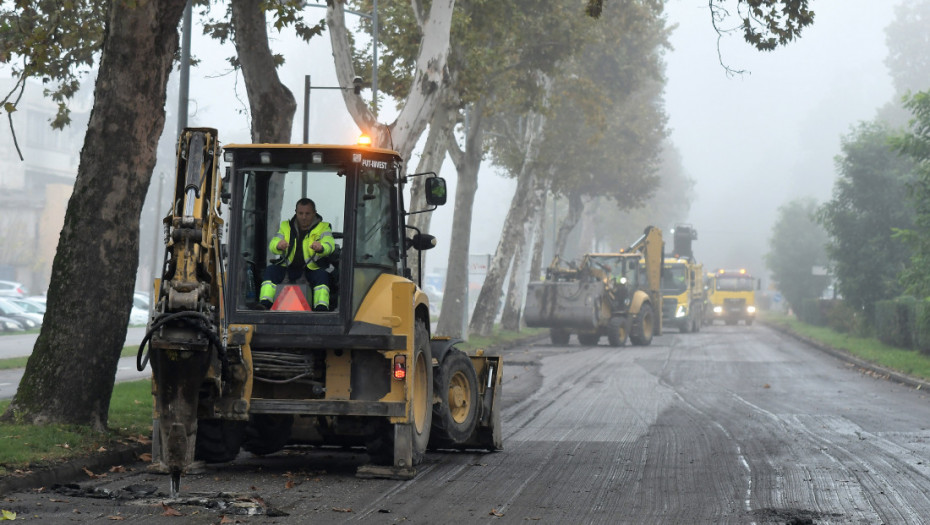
{"x":302,"y":243}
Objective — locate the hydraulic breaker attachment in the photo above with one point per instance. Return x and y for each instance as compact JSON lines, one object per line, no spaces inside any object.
{"x":185,"y":332}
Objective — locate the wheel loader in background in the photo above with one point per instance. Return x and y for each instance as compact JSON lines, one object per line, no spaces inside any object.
{"x":683,"y":283}
{"x":229,"y":373}
{"x":607,"y":294}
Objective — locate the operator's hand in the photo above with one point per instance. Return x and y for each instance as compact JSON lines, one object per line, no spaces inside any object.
{"x":317,"y":247}
{"x":282,"y":245}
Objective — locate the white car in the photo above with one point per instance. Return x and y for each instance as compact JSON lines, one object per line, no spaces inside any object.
{"x":12,"y":289}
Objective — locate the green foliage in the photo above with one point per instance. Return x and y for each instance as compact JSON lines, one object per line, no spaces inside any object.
{"x":866,"y":209}
{"x":796,"y":247}
{"x":916,"y":146}
{"x":765,"y":24}
{"x":810,"y":312}
{"x":907,"y":39}
{"x":53,"y":41}
{"x":895,"y":321}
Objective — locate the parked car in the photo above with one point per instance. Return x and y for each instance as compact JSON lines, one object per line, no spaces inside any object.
{"x":33,"y":307}
{"x":13,"y":311}
{"x":9,"y":325}
{"x":12,"y":289}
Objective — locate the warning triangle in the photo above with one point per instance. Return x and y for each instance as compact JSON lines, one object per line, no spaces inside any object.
{"x":291,"y":299}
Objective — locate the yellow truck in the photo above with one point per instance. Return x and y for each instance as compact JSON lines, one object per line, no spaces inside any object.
{"x":683,"y":284}
{"x":732,"y":296}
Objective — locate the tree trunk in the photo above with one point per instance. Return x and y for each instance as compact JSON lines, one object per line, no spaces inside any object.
{"x":271,"y":104}
{"x":489,"y":299}
{"x":467,"y":162}
{"x":69,"y":377}
{"x":434,"y":154}
{"x":575,"y":207}
{"x":532,"y":233}
{"x":536,"y":263}
{"x":403,"y":134}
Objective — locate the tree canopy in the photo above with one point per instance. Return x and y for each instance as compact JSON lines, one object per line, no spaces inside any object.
{"x":863,"y":215}
{"x":796,"y":247}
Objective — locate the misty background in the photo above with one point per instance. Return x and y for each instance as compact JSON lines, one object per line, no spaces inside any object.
{"x":750,"y":142}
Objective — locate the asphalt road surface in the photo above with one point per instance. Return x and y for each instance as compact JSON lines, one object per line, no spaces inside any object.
{"x":734,"y":424}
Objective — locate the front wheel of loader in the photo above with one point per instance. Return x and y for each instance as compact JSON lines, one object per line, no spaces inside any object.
{"x":218,"y":440}
{"x":455,"y":416}
{"x":267,"y":433}
{"x":589,"y":339}
{"x":643,"y":325}
{"x":616,"y":331}
{"x":559,"y":336}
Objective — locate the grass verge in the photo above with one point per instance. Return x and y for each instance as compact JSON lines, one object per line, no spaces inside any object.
{"x":910,"y":362}
{"x":23,"y":447}
{"x":20,"y":362}
{"x":498,"y":337}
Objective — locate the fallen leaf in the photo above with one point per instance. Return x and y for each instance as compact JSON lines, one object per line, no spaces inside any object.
{"x":59,"y":500}
{"x":226,"y":520}
{"x":115,"y":518}
{"x":289,"y":484}
{"x":102,"y":449}
{"x":91,"y":475}
{"x":7,"y":515}
{"x":339,"y":509}
{"x":64,"y":445}
{"x":766,"y":386}
{"x":168,"y":511}
{"x":494,"y":512}
{"x":145,"y":457}
{"x":117,"y":468}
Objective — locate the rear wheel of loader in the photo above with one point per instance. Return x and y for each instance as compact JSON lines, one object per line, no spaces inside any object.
{"x":455,"y":416}
{"x":698,"y":320}
{"x":643,"y":325}
{"x":559,"y":336}
{"x":267,"y":433}
{"x":218,"y":440}
{"x":685,"y":326}
{"x":589,"y":339}
{"x":422,"y":409}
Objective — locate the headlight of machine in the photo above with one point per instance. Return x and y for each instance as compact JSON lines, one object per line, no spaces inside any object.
{"x":682,"y":311}
{"x":751,"y":309}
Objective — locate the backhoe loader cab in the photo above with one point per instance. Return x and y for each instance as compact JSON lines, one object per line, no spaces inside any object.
{"x":230,"y":373}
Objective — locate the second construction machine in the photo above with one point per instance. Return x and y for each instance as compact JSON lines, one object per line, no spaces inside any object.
{"x":610,"y":294}
{"x":230,"y":373}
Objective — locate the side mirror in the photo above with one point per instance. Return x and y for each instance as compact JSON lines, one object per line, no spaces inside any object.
{"x":421,"y":241}
{"x":435,"y":191}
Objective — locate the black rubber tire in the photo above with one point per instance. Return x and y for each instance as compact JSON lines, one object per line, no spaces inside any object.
{"x":218,"y":440}
{"x":267,"y":433}
{"x":559,"y":336}
{"x":685,"y":326}
{"x":455,"y":416}
{"x":698,"y":316}
{"x":641,"y":333}
{"x":616,"y":334}
{"x":589,"y":339}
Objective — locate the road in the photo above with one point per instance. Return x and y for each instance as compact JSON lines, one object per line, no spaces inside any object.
{"x":21,"y":345}
{"x":733,"y":424}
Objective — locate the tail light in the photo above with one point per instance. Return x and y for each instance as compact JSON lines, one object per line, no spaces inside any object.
{"x":400,"y":367}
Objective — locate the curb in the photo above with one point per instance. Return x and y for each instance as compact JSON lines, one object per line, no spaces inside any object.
{"x":843,"y":355}
{"x":72,"y":469}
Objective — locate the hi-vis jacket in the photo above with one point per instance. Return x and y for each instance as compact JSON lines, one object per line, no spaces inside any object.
{"x":319,"y":231}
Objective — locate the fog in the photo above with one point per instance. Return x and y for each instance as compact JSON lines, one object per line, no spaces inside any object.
{"x":751,"y":142}
{"x":756,"y":141}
